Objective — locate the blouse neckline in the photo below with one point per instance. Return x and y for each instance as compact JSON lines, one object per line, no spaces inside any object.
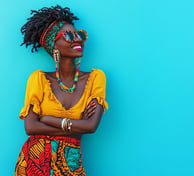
{"x":57,"y":100}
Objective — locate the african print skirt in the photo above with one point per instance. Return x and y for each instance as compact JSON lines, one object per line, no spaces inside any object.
{"x":50,"y":156}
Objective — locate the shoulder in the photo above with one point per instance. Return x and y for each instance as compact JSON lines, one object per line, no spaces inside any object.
{"x":36,"y":76}
{"x":36,"y":73}
{"x":98,"y":76}
{"x":98,"y":73}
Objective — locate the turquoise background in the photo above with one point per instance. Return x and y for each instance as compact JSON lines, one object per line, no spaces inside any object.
{"x":146,"y":48}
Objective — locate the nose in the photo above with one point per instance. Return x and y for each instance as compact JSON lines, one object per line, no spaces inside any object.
{"x":76,"y":38}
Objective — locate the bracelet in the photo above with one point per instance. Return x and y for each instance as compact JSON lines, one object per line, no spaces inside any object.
{"x":69,"y":124}
{"x":64,"y":124}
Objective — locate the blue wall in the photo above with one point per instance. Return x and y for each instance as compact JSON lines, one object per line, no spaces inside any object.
{"x":146,"y":48}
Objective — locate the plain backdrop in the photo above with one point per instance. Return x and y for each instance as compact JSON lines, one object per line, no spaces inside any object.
{"x":146,"y":49}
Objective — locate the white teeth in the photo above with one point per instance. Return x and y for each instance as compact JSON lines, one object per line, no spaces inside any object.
{"x":75,"y":47}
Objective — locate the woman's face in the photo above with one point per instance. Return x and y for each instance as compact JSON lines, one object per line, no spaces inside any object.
{"x":73,"y":49}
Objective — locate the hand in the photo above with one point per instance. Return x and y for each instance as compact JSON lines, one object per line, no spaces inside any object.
{"x":89,"y":111}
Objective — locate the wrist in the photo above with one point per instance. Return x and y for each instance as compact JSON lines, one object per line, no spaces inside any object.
{"x":66,"y":124}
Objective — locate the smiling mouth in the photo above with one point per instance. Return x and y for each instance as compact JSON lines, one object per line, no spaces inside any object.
{"x":77,"y":47}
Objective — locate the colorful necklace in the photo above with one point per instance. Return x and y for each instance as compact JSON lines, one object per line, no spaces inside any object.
{"x":62,"y":86}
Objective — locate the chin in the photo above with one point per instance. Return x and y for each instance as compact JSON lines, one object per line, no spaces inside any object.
{"x":74,"y":55}
{"x":78,"y":55}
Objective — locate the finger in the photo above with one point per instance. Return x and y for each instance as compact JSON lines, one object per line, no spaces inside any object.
{"x":85,"y":115}
{"x":88,"y":111}
{"x":89,"y":106}
{"x":92,"y":103}
{"x":91,"y":109}
{"x":90,"y":114}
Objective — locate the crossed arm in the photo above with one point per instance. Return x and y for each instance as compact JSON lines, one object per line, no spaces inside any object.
{"x":49,"y":125}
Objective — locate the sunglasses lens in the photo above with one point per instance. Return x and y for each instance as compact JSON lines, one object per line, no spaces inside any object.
{"x":69,"y":36}
{"x":82,"y":35}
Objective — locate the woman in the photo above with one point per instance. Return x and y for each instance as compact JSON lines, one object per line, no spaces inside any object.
{"x":59,"y":106}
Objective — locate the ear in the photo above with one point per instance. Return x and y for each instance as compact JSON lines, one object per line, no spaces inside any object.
{"x":55,"y":46}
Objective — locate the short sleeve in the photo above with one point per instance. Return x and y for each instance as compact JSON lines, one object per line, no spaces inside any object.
{"x":98,"y":91}
{"x":34,"y":94}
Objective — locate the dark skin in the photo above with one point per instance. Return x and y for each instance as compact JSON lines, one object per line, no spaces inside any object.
{"x":49,"y":125}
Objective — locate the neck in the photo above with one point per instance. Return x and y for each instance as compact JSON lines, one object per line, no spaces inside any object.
{"x":67,"y":68}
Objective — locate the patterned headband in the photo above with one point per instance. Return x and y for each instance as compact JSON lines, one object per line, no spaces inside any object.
{"x":47,"y":39}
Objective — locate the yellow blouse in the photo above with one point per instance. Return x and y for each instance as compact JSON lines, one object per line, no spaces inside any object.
{"x":40,"y":95}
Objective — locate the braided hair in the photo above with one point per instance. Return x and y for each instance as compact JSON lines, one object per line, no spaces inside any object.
{"x":41,"y":20}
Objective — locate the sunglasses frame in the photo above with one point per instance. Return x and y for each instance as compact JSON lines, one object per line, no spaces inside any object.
{"x":75,"y":34}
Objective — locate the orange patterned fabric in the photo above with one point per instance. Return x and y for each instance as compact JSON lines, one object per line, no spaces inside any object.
{"x":39,"y":158}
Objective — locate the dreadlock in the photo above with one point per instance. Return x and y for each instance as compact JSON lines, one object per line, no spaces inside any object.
{"x":41,"y":20}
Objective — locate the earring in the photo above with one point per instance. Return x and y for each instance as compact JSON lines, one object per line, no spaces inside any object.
{"x":56,"y":55}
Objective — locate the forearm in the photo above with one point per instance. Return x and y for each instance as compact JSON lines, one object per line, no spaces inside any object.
{"x":78,"y":126}
{"x":85,"y":125}
{"x":34,"y":126}
{"x":39,"y":128}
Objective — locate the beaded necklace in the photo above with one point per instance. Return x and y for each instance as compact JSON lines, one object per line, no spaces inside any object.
{"x":62,"y":86}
